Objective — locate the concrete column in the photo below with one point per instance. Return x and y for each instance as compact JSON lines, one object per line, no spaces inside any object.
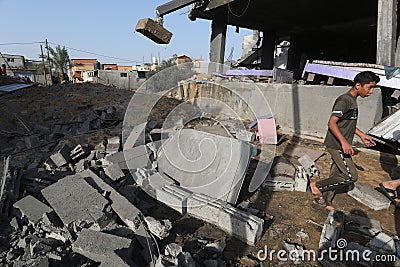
{"x":217,"y":46}
{"x":268,"y":50}
{"x":386,"y":32}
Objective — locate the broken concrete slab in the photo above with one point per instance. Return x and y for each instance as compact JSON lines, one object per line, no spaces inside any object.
{"x":135,"y":137}
{"x":32,"y":208}
{"x":128,"y":213}
{"x":332,"y":230}
{"x":298,"y":151}
{"x":282,"y":167}
{"x":73,"y":199}
{"x":61,"y":156}
{"x":102,"y":247}
{"x":246,"y":227}
{"x":206,"y":163}
{"x":368,"y":196}
{"x":133,"y":158}
{"x":279,"y":183}
{"x":114,"y":172}
{"x":174,"y":196}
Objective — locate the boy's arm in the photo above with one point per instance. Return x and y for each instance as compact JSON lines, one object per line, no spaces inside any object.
{"x":367,"y":140}
{"x":346,"y":146}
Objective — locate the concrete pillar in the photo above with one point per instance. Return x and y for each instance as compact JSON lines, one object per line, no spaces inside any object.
{"x":268,"y":50}
{"x":217,"y":46}
{"x":386,"y":32}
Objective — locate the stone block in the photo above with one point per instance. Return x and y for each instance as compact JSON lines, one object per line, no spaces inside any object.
{"x":279,"y":183}
{"x":114,"y":172}
{"x":61,"y":156}
{"x":368,"y":196}
{"x":73,"y":199}
{"x":32,"y":208}
{"x":174,"y":196}
{"x":153,"y":31}
{"x":101,"y":247}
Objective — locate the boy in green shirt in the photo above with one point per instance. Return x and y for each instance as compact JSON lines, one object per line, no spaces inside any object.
{"x":342,"y":126}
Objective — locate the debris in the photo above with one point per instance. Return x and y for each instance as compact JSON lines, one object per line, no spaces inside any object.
{"x":159,"y":228}
{"x":173,"y":249}
{"x":301,"y":180}
{"x":368,"y":196}
{"x":309,"y":166}
{"x":32,"y":208}
{"x":218,"y":246}
{"x":61,"y":156}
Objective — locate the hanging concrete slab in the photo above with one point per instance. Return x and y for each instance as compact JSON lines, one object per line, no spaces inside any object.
{"x":206,"y":163}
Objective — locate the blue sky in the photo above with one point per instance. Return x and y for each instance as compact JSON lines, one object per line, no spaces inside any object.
{"x":105,"y":28}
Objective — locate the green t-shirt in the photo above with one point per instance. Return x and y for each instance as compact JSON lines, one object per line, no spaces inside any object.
{"x":345,"y":108}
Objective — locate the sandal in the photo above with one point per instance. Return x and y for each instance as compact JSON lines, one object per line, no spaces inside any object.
{"x":387,"y":192}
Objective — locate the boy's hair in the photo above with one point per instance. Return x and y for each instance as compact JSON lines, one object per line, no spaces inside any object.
{"x":366,"y":77}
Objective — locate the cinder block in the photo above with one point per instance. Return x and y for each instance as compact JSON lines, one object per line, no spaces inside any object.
{"x":77,"y":152}
{"x":32,"y":208}
{"x":174,"y":196}
{"x":113,"y":144}
{"x":153,"y":31}
{"x":309,"y":165}
{"x":61,"y":157}
{"x":245,"y":227}
{"x":301,"y":180}
{"x":369,"y":196}
{"x":279,"y":183}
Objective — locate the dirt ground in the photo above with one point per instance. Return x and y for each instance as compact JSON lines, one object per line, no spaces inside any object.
{"x":292,"y":212}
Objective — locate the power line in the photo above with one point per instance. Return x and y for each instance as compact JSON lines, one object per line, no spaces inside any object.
{"x":101,"y":55}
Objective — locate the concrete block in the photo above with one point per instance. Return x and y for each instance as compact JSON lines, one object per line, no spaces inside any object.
{"x":206,"y":163}
{"x":128,"y":213}
{"x":114,"y":172}
{"x":77,"y":152}
{"x":245,"y":227}
{"x":133,"y":158}
{"x":279,"y":183}
{"x":113,"y":144}
{"x":309,"y":165}
{"x":101,"y":247}
{"x":32,"y":208}
{"x":332,"y":230}
{"x":301,"y":180}
{"x":174,"y":196}
{"x":61,"y":156}
{"x":153,"y":31}
{"x":382,"y":243}
{"x":282,"y":167}
{"x":73,"y":199}
{"x":159,"y":228}
{"x":368,"y":196}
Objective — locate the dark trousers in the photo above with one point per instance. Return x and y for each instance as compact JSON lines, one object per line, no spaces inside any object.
{"x":342,"y":176}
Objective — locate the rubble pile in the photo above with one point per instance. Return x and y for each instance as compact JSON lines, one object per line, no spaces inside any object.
{"x":81,"y":192}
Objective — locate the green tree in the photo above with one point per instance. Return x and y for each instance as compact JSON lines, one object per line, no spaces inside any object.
{"x":60,"y":60}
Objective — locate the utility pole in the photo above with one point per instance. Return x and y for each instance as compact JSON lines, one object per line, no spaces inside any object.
{"x":48,"y":60}
{"x":44,"y":68}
